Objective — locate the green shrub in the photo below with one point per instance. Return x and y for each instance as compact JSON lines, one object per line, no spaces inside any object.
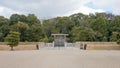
{"x":118,"y":41}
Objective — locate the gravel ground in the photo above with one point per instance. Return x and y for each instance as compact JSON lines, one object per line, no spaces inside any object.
{"x":60,"y":58}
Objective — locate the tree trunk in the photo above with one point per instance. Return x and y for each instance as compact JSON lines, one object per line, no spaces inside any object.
{"x":12,"y":49}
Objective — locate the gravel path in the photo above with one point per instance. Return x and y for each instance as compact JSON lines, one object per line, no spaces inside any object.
{"x":59,"y":59}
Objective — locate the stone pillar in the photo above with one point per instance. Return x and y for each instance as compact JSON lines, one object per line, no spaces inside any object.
{"x":65,"y":44}
{"x":53,"y":43}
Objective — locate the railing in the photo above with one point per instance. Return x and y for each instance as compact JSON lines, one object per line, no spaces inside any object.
{"x":69,"y":44}
{"x":48,"y":44}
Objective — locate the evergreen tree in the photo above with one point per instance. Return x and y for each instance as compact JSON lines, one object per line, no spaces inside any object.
{"x":13,"y":39}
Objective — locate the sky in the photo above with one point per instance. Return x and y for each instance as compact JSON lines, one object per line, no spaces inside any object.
{"x":44,"y":9}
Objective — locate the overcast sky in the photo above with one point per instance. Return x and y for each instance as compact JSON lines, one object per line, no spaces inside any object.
{"x":53,"y":8}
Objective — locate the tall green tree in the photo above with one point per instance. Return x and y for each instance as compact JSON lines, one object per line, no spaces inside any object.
{"x":80,"y":27}
{"x":13,"y":39}
{"x":83,"y":34}
{"x":34,"y":34}
{"x":99,"y":25}
{"x":4,"y":27}
{"x":32,"y":19}
{"x":115,"y":24}
{"x":14,"y":18}
{"x":64,"y":24}
{"x":20,"y":27}
{"x":115,"y":36}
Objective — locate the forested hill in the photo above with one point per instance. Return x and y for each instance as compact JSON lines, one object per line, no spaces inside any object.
{"x":80,"y":27}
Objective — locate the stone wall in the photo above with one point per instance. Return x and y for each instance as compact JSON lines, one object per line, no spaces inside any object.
{"x":20,"y":47}
{"x":90,"y":46}
{"x":100,"y":45}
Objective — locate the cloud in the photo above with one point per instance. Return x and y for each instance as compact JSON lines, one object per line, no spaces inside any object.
{"x":7,"y":12}
{"x":111,"y":6}
{"x":53,"y":8}
{"x":85,"y":10}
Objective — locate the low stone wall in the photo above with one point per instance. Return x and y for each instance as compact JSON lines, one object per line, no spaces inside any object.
{"x":90,"y":46}
{"x":100,"y":45}
{"x":4,"y":47}
{"x":26,"y":47}
{"x":19,"y":47}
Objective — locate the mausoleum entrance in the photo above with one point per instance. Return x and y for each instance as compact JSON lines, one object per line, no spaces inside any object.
{"x":59,"y":40}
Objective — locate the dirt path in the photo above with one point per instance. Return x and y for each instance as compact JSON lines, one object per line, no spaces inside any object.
{"x":59,"y":59}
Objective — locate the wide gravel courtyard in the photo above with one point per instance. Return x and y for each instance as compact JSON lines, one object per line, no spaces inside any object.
{"x":63,"y":58}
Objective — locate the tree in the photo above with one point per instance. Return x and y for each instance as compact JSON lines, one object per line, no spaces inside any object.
{"x":76,"y":18}
{"x":14,"y":18}
{"x":32,"y":19}
{"x":34,"y":33}
{"x":80,"y":27}
{"x":115,"y":24}
{"x":13,"y":39}
{"x":1,"y":36}
{"x":115,"y":36}
{"x":83,"y":34}
{"x":64,"y":24}
{"x":4,"y":27}
{"x":99,"y":25}
{"x":118,"y":41}
{"x":22,"y":28}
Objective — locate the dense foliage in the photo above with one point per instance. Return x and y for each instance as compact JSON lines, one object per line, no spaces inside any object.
{"x":80,"y":27}
{"x":13,"y":39}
